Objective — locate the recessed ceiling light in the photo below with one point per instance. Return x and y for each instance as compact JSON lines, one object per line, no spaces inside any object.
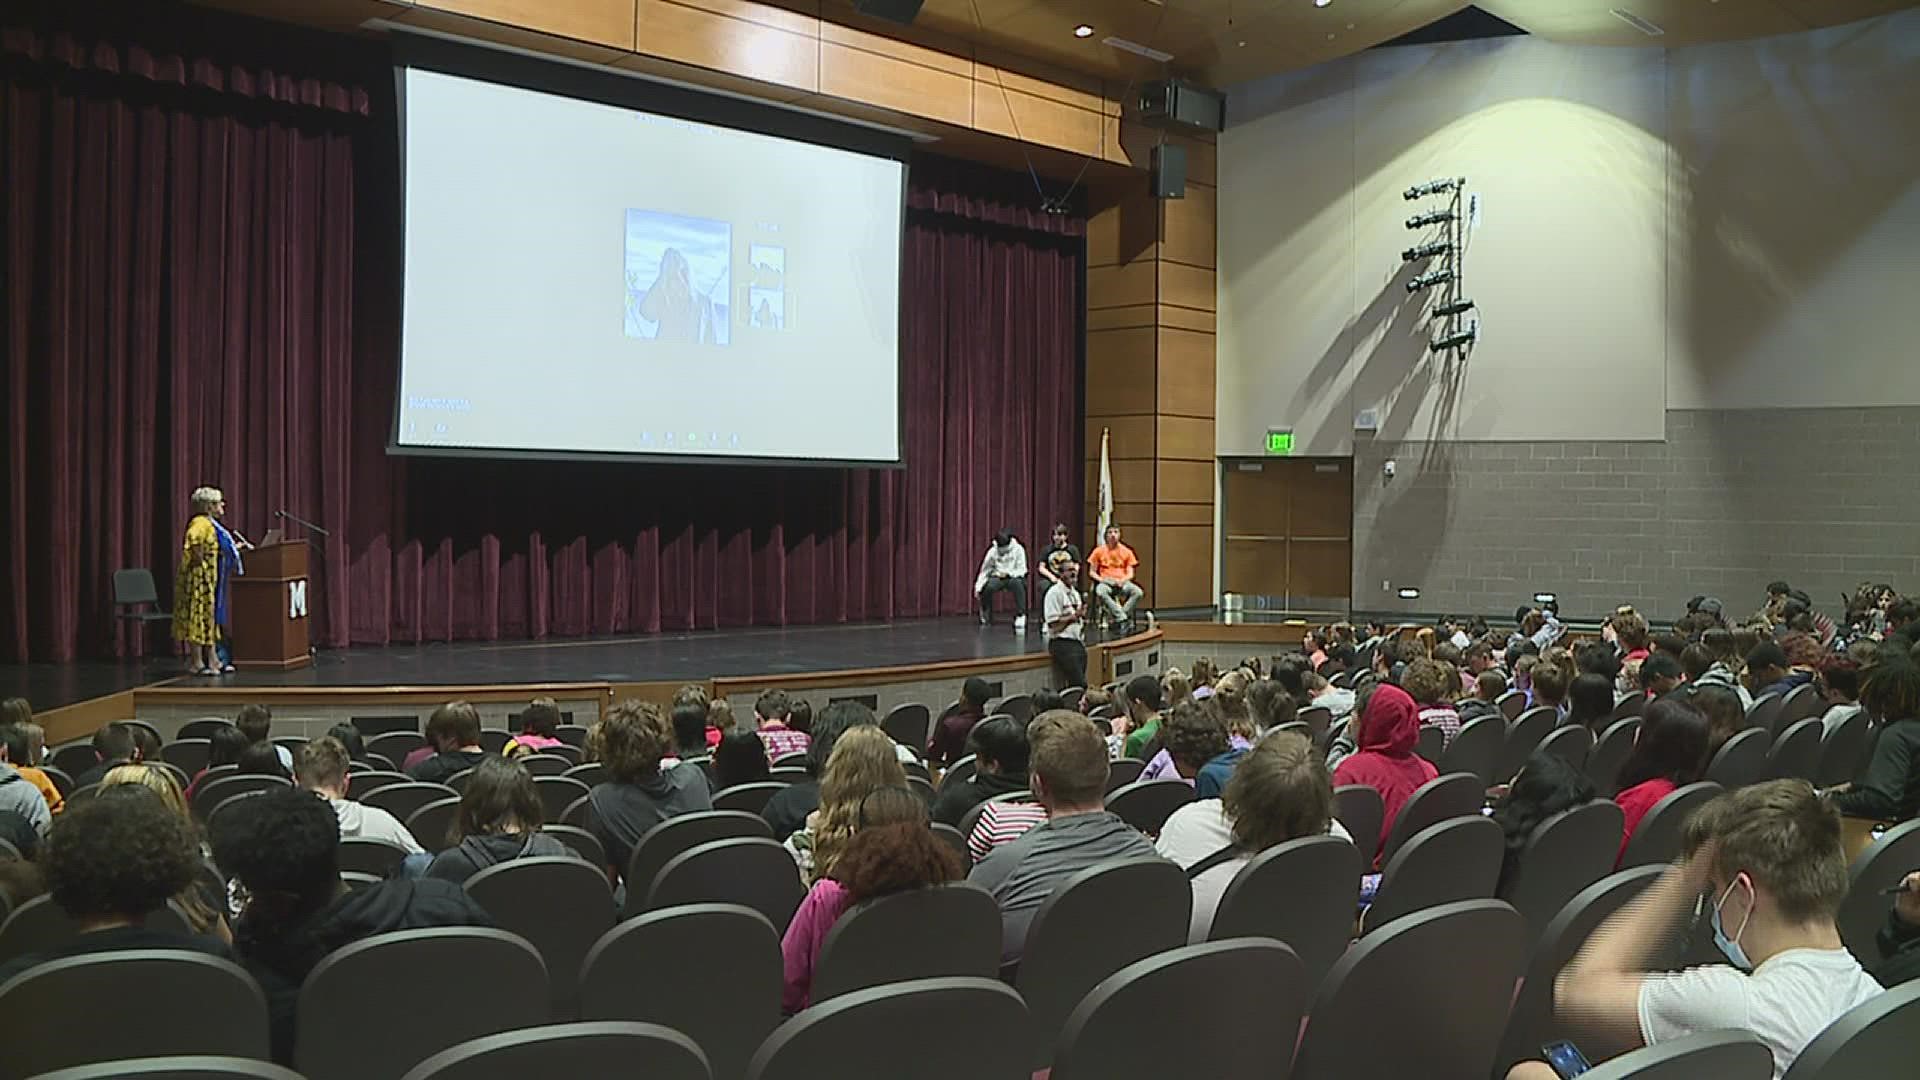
{"x":1243,"y":44}
{"x":1083,"y":30}
{"x":1321,"y":3}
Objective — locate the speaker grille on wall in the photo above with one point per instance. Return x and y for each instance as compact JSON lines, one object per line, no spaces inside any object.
{"x":900,"y":11}
{"x":1169,"y":171}
{"x":1122,"y":668}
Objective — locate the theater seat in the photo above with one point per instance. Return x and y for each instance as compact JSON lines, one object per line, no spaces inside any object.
{"x":602,"y":1048}
{"x":929,"y":1029}
{"x":1719,"y":1055}
{"x":129,"y":1004}
{"x":194,"y":1067}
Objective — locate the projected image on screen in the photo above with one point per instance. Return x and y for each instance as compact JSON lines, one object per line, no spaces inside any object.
{"x":585,"y":278}
{"x":677,"y":279}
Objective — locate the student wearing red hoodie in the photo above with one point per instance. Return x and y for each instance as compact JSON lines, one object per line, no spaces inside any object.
{"x":1389,"y":729}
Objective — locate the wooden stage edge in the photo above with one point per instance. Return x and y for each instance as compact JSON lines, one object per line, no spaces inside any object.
{"x":81,"y":719}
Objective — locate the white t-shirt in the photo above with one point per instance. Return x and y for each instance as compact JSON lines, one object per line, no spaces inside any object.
{"x":1061,"y":599}
{"x":1837,"y":715}
{"x":1196,"y":831}
{"x":1784,"y":1003}
{"x":373,"y":823}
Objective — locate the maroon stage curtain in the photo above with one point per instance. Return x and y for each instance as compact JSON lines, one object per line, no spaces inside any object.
{"x":200,"y":252}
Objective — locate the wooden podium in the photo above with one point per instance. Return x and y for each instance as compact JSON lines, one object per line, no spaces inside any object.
{"x":269,"y":605}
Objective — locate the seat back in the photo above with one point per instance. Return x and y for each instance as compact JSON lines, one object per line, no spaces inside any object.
{"x":212,"y":793}
{"x":1800,"y":703}
{"x":917,"y":934}
{"x":1512,"y":704}
{"x":717,"y":953}
{"x":547,"y":763}
{"x":909,"y":725}
{"x":396,"y":745}
{"x":1445,"y":975}
{"x":1872,"y":1039}
{"x":75,"y":758}
{"x":187,"y":755}
{"x":572,"y":734}
{"x":1147,"y":804}
{"x":384,"y":1004}
{"x":598,"y":1048}
{"x":748,"y":798}
{"x":1457,"y":859}
{"x":1795,"y":754}
{"x":678,"y":835}
{"x":560,"y":904}
{"x":753,"y":871}
{"x":903,"y":1031}
{"x":431,"y":823}
{"x":366,"y":855}
{"x":1215,"y":995}
{"x":1571,"y":744}
{"x":1657,"y":840}
{"x":1317,"y":718}
{"x":1019,"y":706}
{"x":1523,"y":737}
{"x":1633,"y":705}
{"x":1095,"y":923}
{"x":161,"y":1001}
{"x":180,"y":1067}
{"x":557,"y":793}
{"x":362,"y":784}
{"x":1301,"y":893}
{"x":1362,"y":812}
{"x":401,"y":800}
{"x":1432,"y":744}
{"x":580,"y":842}
{"x":1742,"y":759}
{"x":588,"y":773}
{"x":1450,"y":795}
{"x":1477,"y":750}
{"x":1864,"y":911}
{"x":1722,"y":1055}
{"x":134,"y":586}
{"x":1123,"y":771}
{"x":200,"y":728}
{"x":1844,"y":750}
{"x":1566,"y":853}
{"x":1765,"y":712}
{"x":1609,"y":753}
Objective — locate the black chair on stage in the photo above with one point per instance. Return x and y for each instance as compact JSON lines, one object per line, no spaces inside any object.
{"x":136,"y":599}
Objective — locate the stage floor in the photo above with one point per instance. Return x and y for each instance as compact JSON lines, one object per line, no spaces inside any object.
{"x":693,"y":656}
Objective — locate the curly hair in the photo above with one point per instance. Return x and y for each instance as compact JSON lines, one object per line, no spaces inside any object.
{"x":1428,"y":682}
{"x":631,"y":740}
{"x":1193,"y":735}
{"x":122,"y":853}
{"x":285,"y":852}
{"x":886,"y":859}
{"x":863,"y":762}
{"x":1802,"y":649}
{"x":1891,"y":690}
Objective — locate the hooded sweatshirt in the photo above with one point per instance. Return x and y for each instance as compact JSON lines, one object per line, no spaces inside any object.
{"x":1385,"y":762}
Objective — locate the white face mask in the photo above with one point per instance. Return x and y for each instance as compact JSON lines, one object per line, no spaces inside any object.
{"x":1731,"y":945}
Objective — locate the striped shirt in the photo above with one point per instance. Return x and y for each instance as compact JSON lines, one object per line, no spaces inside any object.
{"x":1444,"y":717}
{"x":779,"y":739}
{"x":1000,"y":823}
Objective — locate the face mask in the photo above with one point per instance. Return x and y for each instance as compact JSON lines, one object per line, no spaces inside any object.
{"x":1731,"y":946}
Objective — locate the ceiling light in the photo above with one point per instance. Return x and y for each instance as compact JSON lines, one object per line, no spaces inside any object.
{"x":1083,"y":30}
{"x":1321,"y":3}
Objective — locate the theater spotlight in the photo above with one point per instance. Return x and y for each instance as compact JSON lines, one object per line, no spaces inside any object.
{"x":1454,"y":341}
{"x":1428,"y":281}
{"x":1435,"y":187}
{"x":1431,"y":217}
{"x":1457,"y":307}
{"x":1426,"y":251}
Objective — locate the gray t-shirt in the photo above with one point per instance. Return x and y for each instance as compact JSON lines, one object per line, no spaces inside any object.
{"x":18,"y":794}
{"x":1022,"y":873}
{"x":621,"y":813}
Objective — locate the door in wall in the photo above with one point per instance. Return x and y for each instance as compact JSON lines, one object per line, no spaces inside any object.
{"x":1288,"y":526}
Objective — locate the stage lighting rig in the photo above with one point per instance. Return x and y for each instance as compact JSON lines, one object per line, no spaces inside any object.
{"x":1452,"y":308}
{"x":1429,"y":280}
{"x":1455,"y":341}
{"x":1426,"y":251}
{"x":1445,"y":186}
{"x":1431,"y":217}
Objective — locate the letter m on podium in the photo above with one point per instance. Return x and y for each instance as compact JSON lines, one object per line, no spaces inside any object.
{"x":297,"y":599}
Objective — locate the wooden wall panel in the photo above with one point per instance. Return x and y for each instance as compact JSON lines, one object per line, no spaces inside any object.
{"x":1184,"y":514}
{"x":1132,"y":480}
{"x":603,"y":22}
{"x":1183,"y":481}
{"x":1120,"y":285}
{"x":1188,"y":236}
{"x":874,"y":79}
{"x":1186,"y":373}
{"x":1183,"y":567}
{"x":1028,"y":117}
{"x":1126,"y":232}
{"x":1120,"y":379}
{"x":1133,"y":436}
{"x":692,"y":35}
{"x":1116,"y":318}
{"x":1200,"y":322}
{"x":1185,"y":438}
{"x":894,"y":48}
{"x":1186,"y":286}
{"x":515,"y":37}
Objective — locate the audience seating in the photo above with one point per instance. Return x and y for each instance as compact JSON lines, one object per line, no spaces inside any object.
{"x":547,"y":763}
{"x":791,"y":759}
{"x":40,"y":924}
{"x":1449,"y":795}
{"x":356,"y":879}
{"x":946,"y":930}
{"x":972,"y":817}
{"x":929,"y":1029}
{"x":1765,"y":712}
{"x":753,"y":871}
{"x":1532,"y":1023}
{"x":369,"y":856}
{"x":583,"y":843}
{"x":1719,"y":1055}
{"x":909,"y":725}
{"x":1657,"y":840}
{"x":1523,"y":737}
{"x":1362,"y":812}
{"x":1609,"y":753}
{"x":384,"y":1004}
{"x":560,"y":904}
{"x":1097,"y":922}
{"x":61,"y":781}
{"x":1570,"y":744}
{"x":578,"y":811}
{"x":458,"y":781}
{"x":1196,"y":1011}
{"x":187,"y":755}
{"x":557,"y":793}
{"x":1889,"y":859}
{"x":1511,"y":704}
{"x":1432,"y":744}
{"x":1072,"y":696}
{"x":187,"y":1067}
{"x":572,"y":734}
{"x":1843,"y":751}
{"x":215,"y":790}
{"x":134,"y":1003}
{"x":954,"y":839}
{"x":1874,"y":1039}
{"x":228,"y":804}
{"x":602,"y":1048}
{"x":1632,"y":706}
{"x":431,"y":822}
{"x":494,"y":740}
{"x":202,"y":728}
{"x":962,"y":770}
{"x":1425,"y":996}
{"x":588,"y":773}
{"x":1457,"y":859}
{"x":1742,"y":759}
{"x":1801,"y":702}
{"x":396,"y":745}
{"x":679,"y":835}
{"x":1316,"y":717}
{"x":402,"y":799}
{"x":1146,"y":804}
{"x":290,"y":743}
{"x":1796,"y":753}
{"x":750,"y":798}
{"x":74,"y":758}
{"x":1477,"y":750}
{"x":1123,"y":771}
{"x":710,"y":971}
{"x":920,"y":786}
{"x":1019,"y":706}
{"x":1565,"y":853}
{"x":362,"y":784}
{"x":1300,"y":893}
{"x":371,"y":726}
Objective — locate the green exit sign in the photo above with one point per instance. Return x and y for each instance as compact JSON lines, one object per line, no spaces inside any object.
{"x":1279,"y":442}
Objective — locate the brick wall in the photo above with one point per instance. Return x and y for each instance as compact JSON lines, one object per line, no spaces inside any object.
{"x":1824,"y":498}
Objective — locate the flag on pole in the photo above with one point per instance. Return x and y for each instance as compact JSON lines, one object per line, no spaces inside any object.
{"x":1106,"y":489}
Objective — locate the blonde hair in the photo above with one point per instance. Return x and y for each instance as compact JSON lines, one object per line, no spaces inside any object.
{"x":203,"y":499}
{"x":862,"y":762}
{"x":154,"y":779}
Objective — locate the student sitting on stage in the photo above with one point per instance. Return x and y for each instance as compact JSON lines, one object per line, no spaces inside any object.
{"x":499,"y":821}
{"x":539,"y":729}
{"x":1004,"y":569}
{"x":321,"y":767}
{"x":1112,"y":565}
{"x":256,"y":723}
{"x":453,"y":734}
{"x":638,"y":794}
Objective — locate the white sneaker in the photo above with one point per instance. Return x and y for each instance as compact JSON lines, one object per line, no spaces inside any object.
{"x":1019,"y":623}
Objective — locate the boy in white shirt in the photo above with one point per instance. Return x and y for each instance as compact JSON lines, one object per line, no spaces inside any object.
{"x":321,"y":768}
{"x":1768,"y":860}
{"x":1003,"y":569}
{"x":1065,"y":613}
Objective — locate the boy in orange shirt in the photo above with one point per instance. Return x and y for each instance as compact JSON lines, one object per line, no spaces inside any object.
{"x":1113,"y":564}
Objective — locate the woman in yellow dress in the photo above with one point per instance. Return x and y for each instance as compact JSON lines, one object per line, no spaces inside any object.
{"x":208,"y":558}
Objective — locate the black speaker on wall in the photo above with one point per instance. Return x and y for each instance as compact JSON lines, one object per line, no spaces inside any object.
{"x":900,"y":11}
{"x":1169,"y":171}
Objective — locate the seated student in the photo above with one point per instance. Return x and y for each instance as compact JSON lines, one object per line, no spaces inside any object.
{"x":1003,"y":569}
{"x":110,"y":862}
{"x":1838,"y":683}
{"x":1060,"y":550}
{"x":256,"y":723}
{"x":891,"y":850}
{"x":203,"y":904}
{"x":1769,"y":860}
{"x":1628,"y":628}
{"x":1552,"y":681}
{"x":1545,"y":785}
{"x":350,"y":740}
{"x":1768,"y":671}
{"x":1190,"y":736}
{"x":321,"y":767}
{"x":1889,"y":788}
{"x":1386,"y":733}
{"x":1669,"y":750}
{"x":1145,"y":702}
{"x":720,"y":721}
{"x":1279,"y":791}
{"x":741,"y":758}
{"x":224,"y":747}
{"x":948,"y":741}
{"x":499,"y":821}
{"x":146,"y":745}
{"x":1899,"y":940}
{"x":999,"y":750}
{"x":539,"y":729}
{"x":261,"y":759}
{"x":112,"y":745}
{"x":800,"y":716}
{"x":284,"y":856}
{"x":789,"y":807}
{"x":1431,"y":688}
{"x":862,"y":763}
{"x":1590,"y":702}
{"x":1111,"y":567}
{"x":1723,"y":650}
{"x":1725,"y":716}
{"x":1487,"y":688}
{"x":1660,"y":675}
{"x":770,"y":721}
{"x":26,"y":745}
{"x":18,"y":793}
{"x":637,"y":793}
{"x":453,"y":737}
{"x":1269,"y":706}
{"x":689,"y":720}
{"x":1069,"y":778}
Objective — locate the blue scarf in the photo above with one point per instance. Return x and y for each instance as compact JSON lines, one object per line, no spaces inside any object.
{"x":230,"y":565}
